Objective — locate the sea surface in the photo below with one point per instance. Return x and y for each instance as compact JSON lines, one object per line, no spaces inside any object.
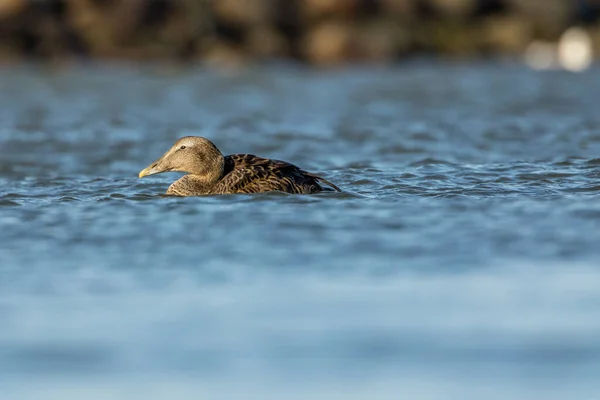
{"x":461,"y":260}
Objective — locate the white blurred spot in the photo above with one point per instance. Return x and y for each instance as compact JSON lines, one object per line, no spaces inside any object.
{"x":575,"y":50}
{"x":541,"y":55}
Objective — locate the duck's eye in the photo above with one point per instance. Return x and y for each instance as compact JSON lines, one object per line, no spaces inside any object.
{"x":182,"y":147}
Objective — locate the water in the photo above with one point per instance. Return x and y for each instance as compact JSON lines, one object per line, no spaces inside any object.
{"x":461,"y":260}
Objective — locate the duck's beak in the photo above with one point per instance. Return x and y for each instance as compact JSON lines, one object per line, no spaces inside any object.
{"x":152,"y":169}
{"x":163,"y":164}
{"x":147,"y":171}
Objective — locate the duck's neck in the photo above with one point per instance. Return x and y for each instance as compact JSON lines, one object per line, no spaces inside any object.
{"x":209,"y":170}
{"x":192,"y":184}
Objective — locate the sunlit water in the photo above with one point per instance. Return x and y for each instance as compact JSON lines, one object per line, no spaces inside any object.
{"x":461,"y":260}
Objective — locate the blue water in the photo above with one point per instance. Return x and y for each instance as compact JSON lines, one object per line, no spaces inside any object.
{"x":461,"y":260}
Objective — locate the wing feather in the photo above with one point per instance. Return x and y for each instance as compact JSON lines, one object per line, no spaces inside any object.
{"x":247,"y":173}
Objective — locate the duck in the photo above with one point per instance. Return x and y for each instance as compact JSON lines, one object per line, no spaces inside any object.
{"x":211,"y":173}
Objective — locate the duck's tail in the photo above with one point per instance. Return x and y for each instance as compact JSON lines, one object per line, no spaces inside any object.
{"x":325,"y":181}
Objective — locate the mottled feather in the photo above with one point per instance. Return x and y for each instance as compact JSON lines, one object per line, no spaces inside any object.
{"x":247,"y":173}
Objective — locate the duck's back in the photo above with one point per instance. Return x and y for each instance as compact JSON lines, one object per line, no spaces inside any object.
{"x":247,"y":173}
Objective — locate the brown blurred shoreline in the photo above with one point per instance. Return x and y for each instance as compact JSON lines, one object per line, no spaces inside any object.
{"x":317,"y":32}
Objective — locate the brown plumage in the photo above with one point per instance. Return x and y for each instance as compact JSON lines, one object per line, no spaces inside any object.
{"x":209,"y":172}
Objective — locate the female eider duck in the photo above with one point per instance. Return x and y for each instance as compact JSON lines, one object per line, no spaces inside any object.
{"x":209,"y":172}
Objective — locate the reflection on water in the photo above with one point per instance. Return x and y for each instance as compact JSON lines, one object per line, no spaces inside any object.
{"x":459,"y":262}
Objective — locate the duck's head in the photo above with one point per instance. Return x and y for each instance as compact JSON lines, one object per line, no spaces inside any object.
{"x":193,"y":154}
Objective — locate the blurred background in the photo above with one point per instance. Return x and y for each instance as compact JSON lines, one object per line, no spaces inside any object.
{"x":318,"y":32}
{"x":459,"y":262}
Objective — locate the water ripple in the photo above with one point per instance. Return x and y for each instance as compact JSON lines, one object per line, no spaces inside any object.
{"x":467,"y":220}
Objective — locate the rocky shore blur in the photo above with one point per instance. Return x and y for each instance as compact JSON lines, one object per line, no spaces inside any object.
{"x":319,"y":32}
